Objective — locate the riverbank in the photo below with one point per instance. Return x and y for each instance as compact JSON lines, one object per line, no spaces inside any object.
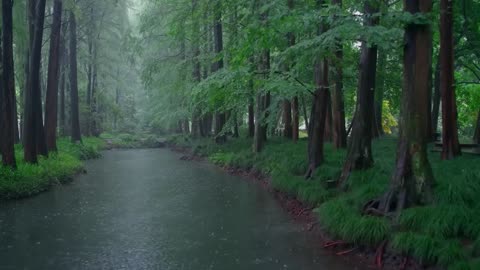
{"x":444,"y":235}
{"x":58,"y":168}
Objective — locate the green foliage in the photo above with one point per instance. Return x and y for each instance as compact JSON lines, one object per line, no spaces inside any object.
{"x":431,"y":233}
{"x":345,"y":222}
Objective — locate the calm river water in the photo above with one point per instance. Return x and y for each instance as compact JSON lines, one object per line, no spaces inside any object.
{"x":146,"y":209}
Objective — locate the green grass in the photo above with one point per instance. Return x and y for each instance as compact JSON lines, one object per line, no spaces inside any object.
{"x":58,"y":168}
{"x":130,"y":141}
{"x":445,"y":233}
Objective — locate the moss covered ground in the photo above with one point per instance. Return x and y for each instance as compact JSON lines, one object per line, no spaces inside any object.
{"x":445,"y":233}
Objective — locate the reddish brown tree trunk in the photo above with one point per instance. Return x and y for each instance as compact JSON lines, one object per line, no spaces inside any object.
{"x":316,"y":130}
{"x":287,"y":119}
{"x":338,"y":104}
{"x":33,"y":129}
{"x":220,"y":117}
{"x":451,"y":146}
{"x":52,"y":85}
{"x":251,"y":119}
{"x":7,"y":89}
{"x":329,"y":121}
{"x":377,"y":129}
{"x":436,"y":100}
{"x":74,"y":106}
{"x":476,"y":136}
{"x":412,"y":180}
{"x":359,"y":155}
{"x":295,"y":120}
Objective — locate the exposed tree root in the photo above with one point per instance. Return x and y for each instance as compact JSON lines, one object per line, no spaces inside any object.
{"x":305,"y":210}
{"x":345,"y":252}
{"x":334,"y":244}
{"x":311,"y":226}
{"x":379,"y":255}
{"x":405,"y":263}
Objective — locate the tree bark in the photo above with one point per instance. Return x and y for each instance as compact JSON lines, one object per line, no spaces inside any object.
{"x":359,"y":155}
{"x":251,"y":118}
{"x":476,"y":136}
{"x":287,"y":119}
{"x":52,"y":85}
{"x":220,"y":117}
{"x":436,"y":99}
{"x":7,"y":88}
{"x":295,"y":120}
{"x":451,"y":146}
{"x":33,"y":130}
{"x":338,"y":104}
{"x":377,"y":129}
{"x":412,"y":179}
{"x":74,"y":106}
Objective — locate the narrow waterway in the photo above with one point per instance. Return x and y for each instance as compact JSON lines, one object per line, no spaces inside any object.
{"x":146,"y":209}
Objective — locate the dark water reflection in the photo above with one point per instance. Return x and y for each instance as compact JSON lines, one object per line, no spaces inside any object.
{"x":145,"y":209}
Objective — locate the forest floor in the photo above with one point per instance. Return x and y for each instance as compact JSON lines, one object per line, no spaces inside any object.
{"x":58,"y":168}
{"x":445,"y":234}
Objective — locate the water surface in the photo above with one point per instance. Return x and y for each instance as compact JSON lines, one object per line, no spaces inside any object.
{"x":146,"y":209}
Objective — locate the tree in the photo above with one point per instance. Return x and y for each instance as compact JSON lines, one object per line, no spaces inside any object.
{"x":74,"y":106}
{"x":359,"y":155}
{"x":412,"y":179}
{"x":318,"y":115}
{"x":450,"y":146}
{"x":53,"y":78}
{"x":476,"y":136}
{"x":34,"y":138}
{"x":7,"y":88}
{"x":338,"y":105}
{"x":220,"y":117}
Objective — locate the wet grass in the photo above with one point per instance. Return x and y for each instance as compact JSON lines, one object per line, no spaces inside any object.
{"x":445,"y":233}
{"x":58,"y":168}
{"x":131,"y":141}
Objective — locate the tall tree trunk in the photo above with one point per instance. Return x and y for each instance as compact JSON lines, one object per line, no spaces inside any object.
{"x":359,"y":155}
{"x":251,"y":118}
{"x":291,"y":39}
{"x":263,"y":102}
{"x":74,"y":106}
{"x":295,"y":119}
{"x":196,"y":73}
{"x":305,"y":114}
{"x":287,"y":119}
{"x":318,"y":116}
{"x":436,"y":99}
{"x":338,"y":104}
{"x":220,"y":118}
{"x":33,"y":129}
{"x":377,"y":129}
{"x":412,"y":179}
{"x":7,"y":88}
{"x":94,"y":130}
{"x":329,"y":121}
{"x":316,"y":128}
{"x":62,"y":116}
{"x":52,"y":86}
{"x":451,"y":146}
{"x":476,"y":136}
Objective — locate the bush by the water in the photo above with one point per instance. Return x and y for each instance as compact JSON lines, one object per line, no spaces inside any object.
{"x":445,"y":233}
{"x":60,"y":167}
{"x":130,"y":141}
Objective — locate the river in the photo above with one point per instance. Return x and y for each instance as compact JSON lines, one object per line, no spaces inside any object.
{"x":146,"y":209}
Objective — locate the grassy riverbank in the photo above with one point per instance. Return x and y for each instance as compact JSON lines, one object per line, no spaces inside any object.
{"x":58,"y":168}
{"x":446,"y":233}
